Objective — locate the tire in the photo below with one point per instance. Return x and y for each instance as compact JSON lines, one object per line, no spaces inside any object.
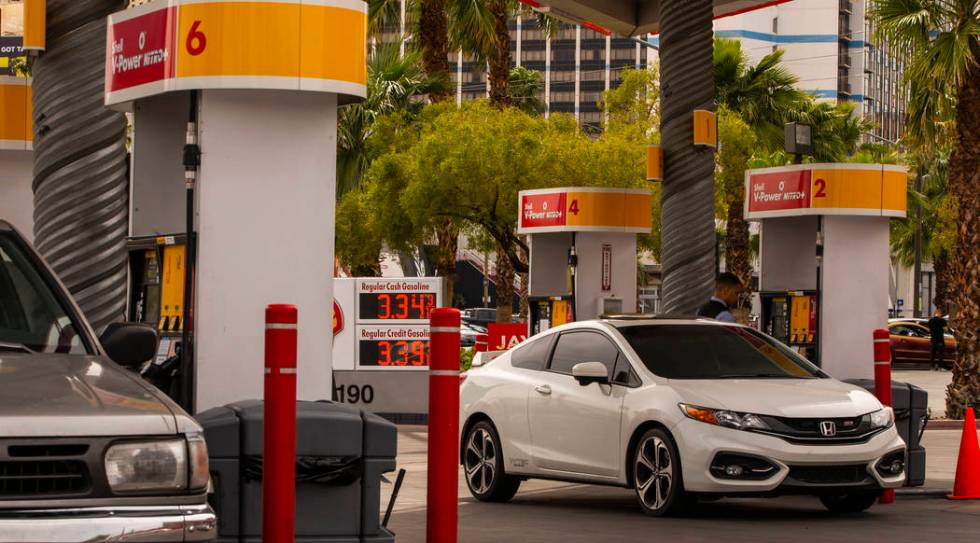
{"x":483,"y":465}
{"x":850,"y":503}
{"x":657,"y":478}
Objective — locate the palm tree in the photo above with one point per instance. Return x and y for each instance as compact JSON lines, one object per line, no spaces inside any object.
{"x":764,"y":95}
{"x":941,"y":41}
{"x":395,"y":83}
{"x":754,"y":103}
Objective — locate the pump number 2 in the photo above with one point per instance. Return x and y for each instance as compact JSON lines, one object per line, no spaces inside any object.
{"x":820,"y":188}
{"x":196,"y":40}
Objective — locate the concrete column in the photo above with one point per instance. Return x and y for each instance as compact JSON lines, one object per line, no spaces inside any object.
{"x":265,"y":235}
{"x":687,"y":200}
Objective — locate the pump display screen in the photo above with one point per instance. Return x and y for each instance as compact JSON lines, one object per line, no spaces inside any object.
{"x":394,"y":353}
{"x":395,"y":305}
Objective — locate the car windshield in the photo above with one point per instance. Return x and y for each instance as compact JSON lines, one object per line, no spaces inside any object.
{"x":706,"y":351}
{"x":32,"y":318}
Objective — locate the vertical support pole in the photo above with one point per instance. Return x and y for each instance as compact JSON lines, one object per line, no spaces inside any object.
{"x":547,"y":74}
{"x":279,"y":425}
{"x":687,"y":199}
{"x":482,"y":344}
{"x":883,"y":384}
{"x":520,"y":24}
{"x":459,"y":78}
{"x":443,"y":477}
{"x":578,"y":69}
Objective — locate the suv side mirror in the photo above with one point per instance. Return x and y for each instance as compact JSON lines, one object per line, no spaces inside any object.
{"x":590,"y":372}
{"x":129,"y":344}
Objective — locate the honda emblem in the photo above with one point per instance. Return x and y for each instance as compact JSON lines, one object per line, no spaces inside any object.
{"x":828,"y":428}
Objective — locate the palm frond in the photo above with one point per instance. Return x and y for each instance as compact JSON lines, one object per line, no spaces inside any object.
{"x":471,"y":27}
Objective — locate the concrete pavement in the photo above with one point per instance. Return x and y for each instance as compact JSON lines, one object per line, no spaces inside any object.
{"x":545,"y":511}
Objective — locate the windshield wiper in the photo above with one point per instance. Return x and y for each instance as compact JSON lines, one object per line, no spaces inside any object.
{"x":15,"y":347}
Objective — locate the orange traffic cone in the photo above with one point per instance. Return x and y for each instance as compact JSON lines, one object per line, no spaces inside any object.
{"x":967,"y":485}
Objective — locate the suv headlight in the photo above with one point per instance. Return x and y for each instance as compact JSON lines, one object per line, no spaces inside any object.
{"x":723,"y":417}
{"x":883,"y":418}
{"x":155,"y":466}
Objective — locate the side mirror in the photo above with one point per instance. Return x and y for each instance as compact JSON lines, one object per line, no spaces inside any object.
{"x":590,"y":372}
{"x":129,"y":344}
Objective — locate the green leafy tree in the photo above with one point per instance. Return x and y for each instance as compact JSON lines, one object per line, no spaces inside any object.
{"x":764,"y":94}
{"x":632,"y":123}
{"x":525,"y":90}
{"x":738,"y":142}
{"x":940,"y":40}
{"x":395,"y":83}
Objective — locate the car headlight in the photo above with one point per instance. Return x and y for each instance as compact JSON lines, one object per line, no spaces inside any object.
{"x":723,"y":417}
{"x":882,"y":418}
{"x":147,"y":466}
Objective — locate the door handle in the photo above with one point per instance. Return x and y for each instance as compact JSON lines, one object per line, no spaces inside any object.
{"x":543,"y":389}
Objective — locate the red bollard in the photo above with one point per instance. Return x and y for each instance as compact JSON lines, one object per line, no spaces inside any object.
{"x":442,"y":492}
{"x":482,"y":343}
{"x":279,"y":426}
{"x":883,"y":384}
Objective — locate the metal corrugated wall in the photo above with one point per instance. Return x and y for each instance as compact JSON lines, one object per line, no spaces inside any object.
{"x":81,"y":188}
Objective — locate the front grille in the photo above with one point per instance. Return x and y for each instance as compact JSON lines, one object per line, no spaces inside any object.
{"x":806,"y":431}
{"x":43,"y":478}
{"x":829,"y":475}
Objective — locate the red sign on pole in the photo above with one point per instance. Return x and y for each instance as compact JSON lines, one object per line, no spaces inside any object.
{"x":779,"y":191}
{"x":142,"y":50}
{"x":539,"y":210}
{"x":606,"y":267}
{"x":505,"y":335}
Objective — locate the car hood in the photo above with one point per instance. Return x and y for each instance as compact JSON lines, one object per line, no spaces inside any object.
{"x":53,"y":395}
{"x":799,"y":398}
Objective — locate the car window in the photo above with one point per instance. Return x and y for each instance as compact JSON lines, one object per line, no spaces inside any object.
{"x":919,"y":331}
{"x":576,"y":347}
{"x":624,"y":374}
{"x":31,"y":315}
{"x":707,"y":351}
{"x":902,"y":330}
{"x":532,"y":354}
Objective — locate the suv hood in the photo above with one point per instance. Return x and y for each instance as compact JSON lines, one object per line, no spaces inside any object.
{"x":799,"y":398}
{"x":54,"y":395}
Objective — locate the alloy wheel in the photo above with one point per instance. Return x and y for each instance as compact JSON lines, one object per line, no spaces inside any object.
{"x":653,"y":473}
{"x":480,"y":461}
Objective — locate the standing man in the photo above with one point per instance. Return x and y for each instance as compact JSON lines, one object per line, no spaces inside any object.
{"x":937,"y":331}
{"x":727,"y":289}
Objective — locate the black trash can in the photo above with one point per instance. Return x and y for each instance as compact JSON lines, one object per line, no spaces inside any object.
{"x":341,"y":455}
{"x":911,"y":405}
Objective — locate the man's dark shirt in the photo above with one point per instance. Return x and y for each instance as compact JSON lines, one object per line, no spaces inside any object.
{"x":937,"y":329}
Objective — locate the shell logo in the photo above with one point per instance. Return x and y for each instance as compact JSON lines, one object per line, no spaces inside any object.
{"x":338,"y":318}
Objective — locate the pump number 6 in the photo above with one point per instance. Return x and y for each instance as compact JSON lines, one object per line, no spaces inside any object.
{"x":196,"y":40}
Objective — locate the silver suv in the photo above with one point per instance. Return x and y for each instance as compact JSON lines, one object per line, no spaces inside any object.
{"x":88,"y":450}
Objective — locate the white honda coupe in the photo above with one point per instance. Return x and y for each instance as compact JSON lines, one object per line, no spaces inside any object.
{"x":677,"y":410}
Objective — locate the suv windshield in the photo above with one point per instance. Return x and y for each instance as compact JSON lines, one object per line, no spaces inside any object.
{"x":32,"y":318}
{"x":692,"y":351}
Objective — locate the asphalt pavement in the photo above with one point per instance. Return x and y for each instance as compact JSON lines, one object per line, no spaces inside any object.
{"x":545,"y":511}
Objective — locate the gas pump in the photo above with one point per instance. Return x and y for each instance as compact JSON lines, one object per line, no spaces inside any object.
{"x":549,"y":311}
{"x":157,"y":298}
{"x":582,"y":251}
{"x":824,"y":257}
{"x":791,"y":317}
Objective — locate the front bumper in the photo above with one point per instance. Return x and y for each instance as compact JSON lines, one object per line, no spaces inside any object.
{"x":177,"y":523}
{"x":698,"y":443}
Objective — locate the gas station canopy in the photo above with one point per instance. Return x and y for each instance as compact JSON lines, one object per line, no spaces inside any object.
{"x":635,"y":17}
